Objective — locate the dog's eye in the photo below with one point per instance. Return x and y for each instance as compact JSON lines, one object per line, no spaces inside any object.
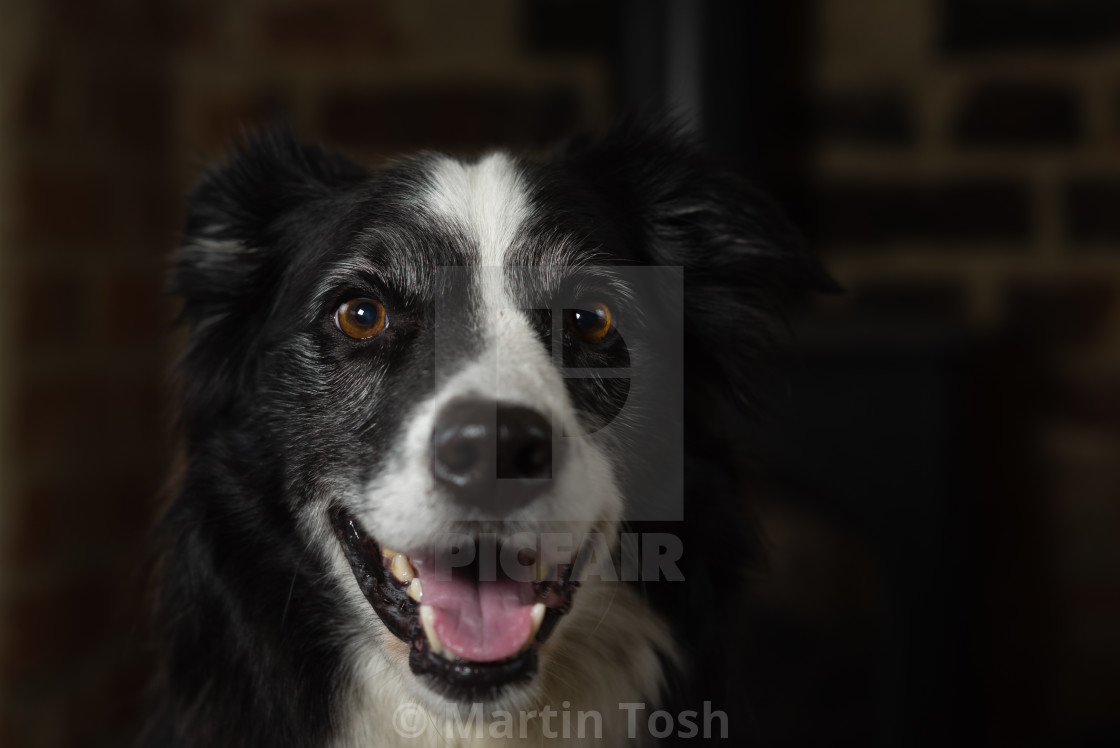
{"x":589,"y":325}
{"x":361,"y":318}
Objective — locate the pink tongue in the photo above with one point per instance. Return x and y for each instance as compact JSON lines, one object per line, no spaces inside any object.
{"x":479,"y":621}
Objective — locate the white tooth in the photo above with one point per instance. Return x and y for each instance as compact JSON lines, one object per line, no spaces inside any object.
{"x":402,"y":569}
{"x":428,"y":621}
{"x":414,"y":590}
{"x":536,"y":616}
{"x":388,"y":552}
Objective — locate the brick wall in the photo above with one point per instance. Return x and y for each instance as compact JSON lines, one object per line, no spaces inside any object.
{"x":91,"y":213}
{"x":8,"y":58}
{"x":380,"y":78}
{"x":8,"y":30}
{"x":965,"y":161}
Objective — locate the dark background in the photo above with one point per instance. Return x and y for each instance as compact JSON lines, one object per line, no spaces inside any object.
{"x":941,"y":480}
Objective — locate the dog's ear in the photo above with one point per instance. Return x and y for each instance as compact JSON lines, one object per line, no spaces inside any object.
{"x":742,"y":260}
{"x":242,"y":220}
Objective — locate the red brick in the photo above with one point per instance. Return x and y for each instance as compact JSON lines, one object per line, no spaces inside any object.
{"x":51,"y":310}
{"x":869,"y":211}
{"x":131,"y":681}
{"x":1061,"y":313}
{"x":1002,"y":115}
{"x":219,"y":119}
{"x":924,"y":300}
{"x":75,"y":419}
{"x":91,"y":705}
{"x":999,"y":25}
{"x":1094,"y":405}
{"x":128,"y":110}
{"x":92,"y":514}
{"x":11,"y":727}
{"x":50,"y":628}
{"x":194,"y":27}
{"x":156,"y":206}
{"x":571,"y":27}
{"x":71,"y":207}
{"x":104,"y":520}
{"x":1091,"y":209}
{"x":132,"y":309}
{"x":39,"y":525}
{"x":119,"y":512}
{"x":153,"y":25}
{"x":105,"y":705}
{"x":37,"y":105}
{"x":335,"y":28}
{"x":452,"y":119}
{"x":48,"y":419}
{"x":1112,"y":133}
{"x":129,"y":410}
{"x":874,"y":117}
{"x":86,"y":18}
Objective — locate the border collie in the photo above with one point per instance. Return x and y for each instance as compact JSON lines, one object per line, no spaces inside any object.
{"x":457,"y":456}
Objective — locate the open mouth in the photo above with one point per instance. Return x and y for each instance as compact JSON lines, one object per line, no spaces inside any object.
{"x":470,"y":634}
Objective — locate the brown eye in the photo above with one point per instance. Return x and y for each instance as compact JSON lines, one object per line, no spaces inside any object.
{"x":361,"y":318}
{"x":589,"y":325}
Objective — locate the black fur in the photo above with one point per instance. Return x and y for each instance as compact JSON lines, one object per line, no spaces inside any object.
{"x":744,"y":263}
{"x":253,"y":633}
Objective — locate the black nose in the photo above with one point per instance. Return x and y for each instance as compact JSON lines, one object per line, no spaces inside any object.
{"x":493,"y":456}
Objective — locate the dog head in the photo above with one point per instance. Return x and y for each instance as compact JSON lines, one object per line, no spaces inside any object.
{"x":440,"y":382}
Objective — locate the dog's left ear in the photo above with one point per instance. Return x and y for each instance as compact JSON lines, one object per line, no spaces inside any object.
{"x":743,"y":261}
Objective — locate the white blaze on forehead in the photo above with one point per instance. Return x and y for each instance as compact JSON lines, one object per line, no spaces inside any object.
{"x":487,"y":199}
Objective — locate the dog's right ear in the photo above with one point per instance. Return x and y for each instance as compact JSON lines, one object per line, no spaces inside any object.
{"x":242,"y":221}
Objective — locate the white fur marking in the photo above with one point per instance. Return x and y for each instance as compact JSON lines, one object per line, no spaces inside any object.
{"x":486,"y":198}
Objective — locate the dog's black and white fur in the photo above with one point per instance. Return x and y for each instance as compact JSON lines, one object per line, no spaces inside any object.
{"x":309,"y":450}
